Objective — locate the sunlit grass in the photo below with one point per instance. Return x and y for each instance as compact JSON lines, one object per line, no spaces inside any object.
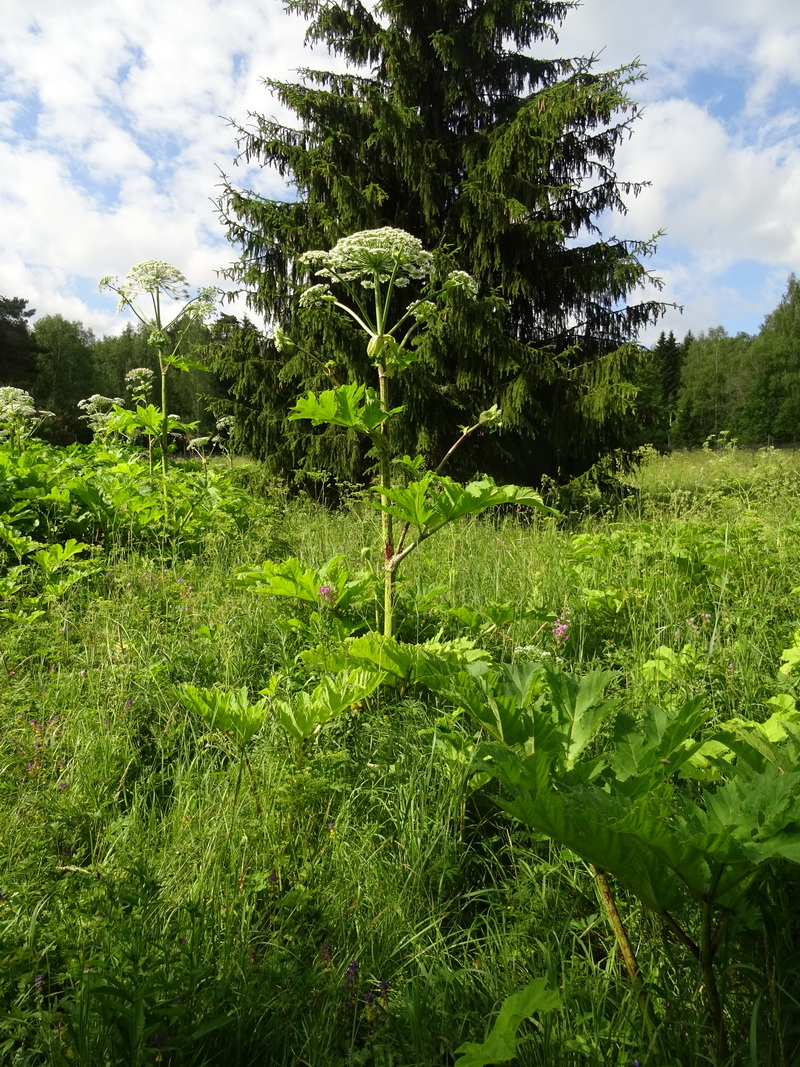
{"x":149,"y":911}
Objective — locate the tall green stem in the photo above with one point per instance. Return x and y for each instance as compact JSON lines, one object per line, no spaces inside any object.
{"x":164,"y":434}
{"x":707,"y":953}
{"x":387,"y":533}
{"x":627,"y":953}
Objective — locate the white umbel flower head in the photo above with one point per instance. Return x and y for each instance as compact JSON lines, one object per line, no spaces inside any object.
{"x":369,"y":254}
{"x":150,"y":276}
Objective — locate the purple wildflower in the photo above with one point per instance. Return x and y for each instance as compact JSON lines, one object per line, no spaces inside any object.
{"x":351,"y":974}
{"x":39,"y":982}
{"x":561,"y":629}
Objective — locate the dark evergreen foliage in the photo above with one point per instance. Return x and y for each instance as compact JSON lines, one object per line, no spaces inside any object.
{"x":446,"y":127}
{"x":17,"y":344}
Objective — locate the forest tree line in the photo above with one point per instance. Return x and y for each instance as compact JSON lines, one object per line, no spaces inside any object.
{"x":746,"y":386}
{"x":61,"y":362}
{"x":501,"y":161}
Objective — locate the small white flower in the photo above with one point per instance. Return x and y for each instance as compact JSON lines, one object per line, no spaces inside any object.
{"x":459,"y":279}
{"x":422,"y":310}
{"x":315,"y":295}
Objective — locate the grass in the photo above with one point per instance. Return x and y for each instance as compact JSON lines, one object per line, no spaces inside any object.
{"x":358,"y":903}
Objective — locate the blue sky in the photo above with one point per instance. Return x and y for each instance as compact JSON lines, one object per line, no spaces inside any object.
{"x":113,"y":133}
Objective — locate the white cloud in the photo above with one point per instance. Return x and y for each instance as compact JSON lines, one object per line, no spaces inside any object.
{"x":131,"y":102}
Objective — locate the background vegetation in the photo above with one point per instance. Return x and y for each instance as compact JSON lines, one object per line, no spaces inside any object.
{"x":355,"y":899}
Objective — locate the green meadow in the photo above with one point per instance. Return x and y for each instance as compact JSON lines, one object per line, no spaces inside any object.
{"x":239,"y":826}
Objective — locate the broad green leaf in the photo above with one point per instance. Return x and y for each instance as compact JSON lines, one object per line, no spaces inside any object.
{"x":353,"y":406}
{"x":579,"y":708}
{"x":408,"y":503}
{"x":586,"y":820}
{"x":435,"y":500}
{"x":501,"y":1044}
{"x":382,"y":654}
{"x":231,"y":711}
{"x":54,"y":557}
{"x":289,"y":578}
{"x":306,"y":713}
{"x":659,"y":745}
{"x":298,"y":716}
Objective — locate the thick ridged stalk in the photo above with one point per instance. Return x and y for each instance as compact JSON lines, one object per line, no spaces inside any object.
{"x":387,"y":532}
{"x":627,"y":952}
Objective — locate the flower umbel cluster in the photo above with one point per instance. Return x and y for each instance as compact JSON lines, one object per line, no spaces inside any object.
{"x":147,"y":277}
{"x":155,"y":277}
{"x":362,"y":257}
{"x":19,"y":416}
{"x":382,"y":260}
{"x":140,"y":383}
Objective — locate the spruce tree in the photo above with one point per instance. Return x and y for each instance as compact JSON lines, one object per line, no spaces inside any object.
{"x":446,"y":126}
{"x":17,"y":343}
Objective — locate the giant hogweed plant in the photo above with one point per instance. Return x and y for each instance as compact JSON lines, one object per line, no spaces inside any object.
{"x":616,"y":792}
{"x":363,"y":276}
{"x":158,"y":282}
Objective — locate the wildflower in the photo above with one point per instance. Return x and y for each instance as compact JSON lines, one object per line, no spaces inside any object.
{"x":316,"y":294}
{"x":39,"y":982}
{"x":328,"y":594}
{"x":147,"y":277}
{"x":325,"y":953}
{"x":273,"y":878}
{"x":128,"y":704}
{"x":459,"y":279}
{"x":62,"y":785}
{"x":385,"y":252}
{"x":351,"y":974}
{"x":561,"y":630}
